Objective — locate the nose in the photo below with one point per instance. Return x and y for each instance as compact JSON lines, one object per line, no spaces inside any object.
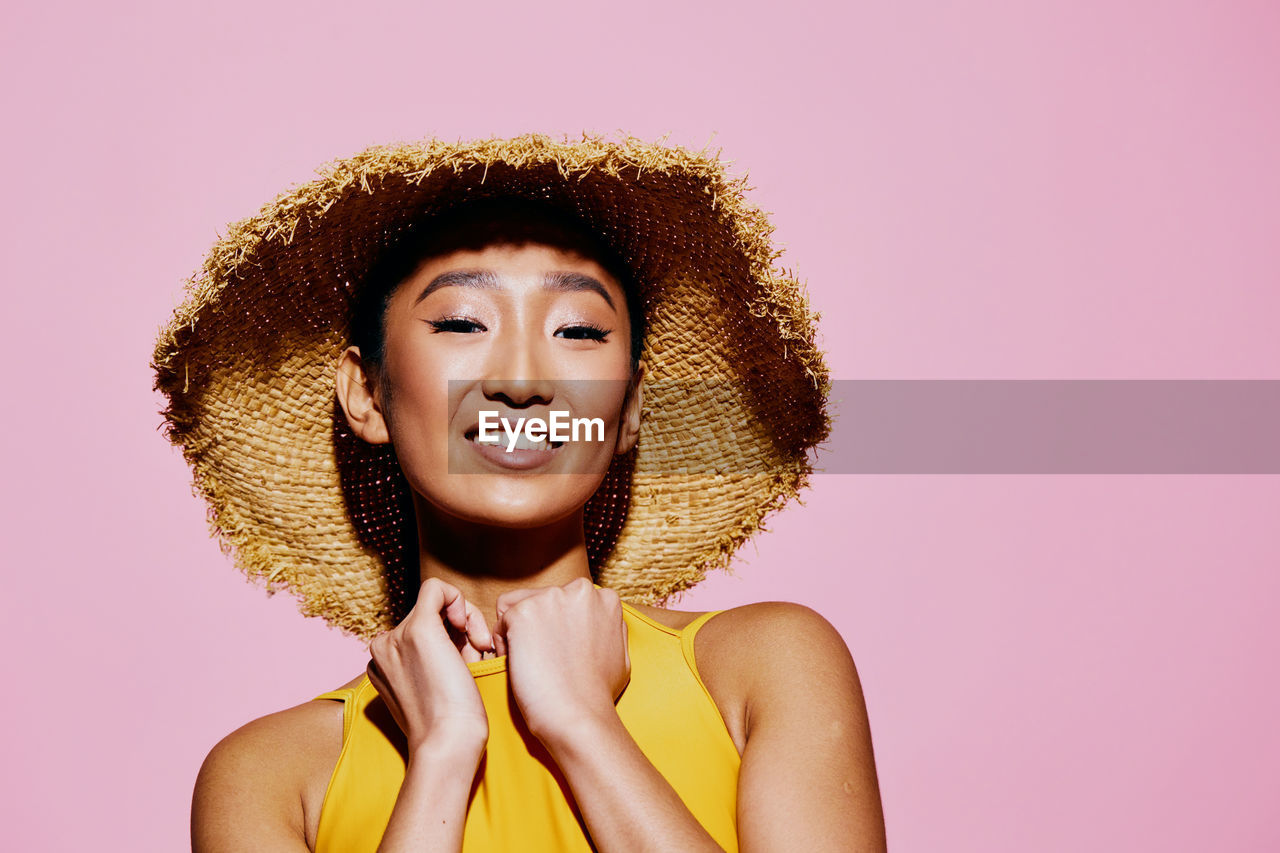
{"x":515,"y":378}
{"x":519,"y":393}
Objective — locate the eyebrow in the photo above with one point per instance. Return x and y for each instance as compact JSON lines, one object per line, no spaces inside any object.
{"x":458,"y":278}
{"x":564,"y":282}
{"x":570,"y":282}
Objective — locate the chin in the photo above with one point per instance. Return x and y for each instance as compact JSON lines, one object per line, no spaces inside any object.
{"x":518,"y":502}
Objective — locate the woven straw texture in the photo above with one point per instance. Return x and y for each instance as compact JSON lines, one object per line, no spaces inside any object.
{"x":734,"y":397}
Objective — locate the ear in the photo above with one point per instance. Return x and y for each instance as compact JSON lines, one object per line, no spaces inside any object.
{"x":632,"y":407}
{"x":358,"y":397}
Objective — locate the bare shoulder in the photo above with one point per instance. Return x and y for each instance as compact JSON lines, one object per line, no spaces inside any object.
{"x":798,"y":716}
{"x":768,"y":659}
{"x":262,"y":785}
{"x":779,"y":631}
{"x":755,"y":655}
{"x":769,"y":631}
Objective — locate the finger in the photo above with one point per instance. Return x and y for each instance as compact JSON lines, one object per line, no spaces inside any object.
{"x":478,"y":634}
{"x":458,"y":638}
{"x":610,"y":598}
{"x":470,"y":654}
{"x":579,"y":585}
{"x":435,"y":595}
{"x":430,"y":594}
{"x":500,"y":634}
{"x":447,"y":602}
{"x":454,"y":609}
{"x":510,"y":599}
{"x":380,"y":644}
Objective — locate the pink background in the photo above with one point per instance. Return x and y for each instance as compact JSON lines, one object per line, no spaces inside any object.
{"x":982,"y":190}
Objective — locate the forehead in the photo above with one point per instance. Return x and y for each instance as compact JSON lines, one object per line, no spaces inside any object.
{"x":526,"y":267}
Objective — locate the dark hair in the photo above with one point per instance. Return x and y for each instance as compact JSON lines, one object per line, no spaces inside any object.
{"x":475,"y":225}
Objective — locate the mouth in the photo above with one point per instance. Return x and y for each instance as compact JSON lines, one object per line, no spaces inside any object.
{"x":523,"y":442}
{"x":523,"y":455}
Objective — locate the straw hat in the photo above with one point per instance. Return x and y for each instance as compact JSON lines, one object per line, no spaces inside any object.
{"x":734,"y":394}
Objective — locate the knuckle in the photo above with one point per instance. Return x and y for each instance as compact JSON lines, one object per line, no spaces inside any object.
{"x":433,"y":590}
{"x":517,"y":613}
{"x":414,"y":633}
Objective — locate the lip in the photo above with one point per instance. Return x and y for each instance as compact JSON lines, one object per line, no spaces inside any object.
{"x":520,"y":459}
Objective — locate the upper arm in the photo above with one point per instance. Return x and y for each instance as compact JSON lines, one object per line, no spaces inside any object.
{"x":808,"y":777}
{"x":247,"y":796}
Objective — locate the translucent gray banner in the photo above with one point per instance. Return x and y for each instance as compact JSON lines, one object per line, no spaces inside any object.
{"x":1053,"y":426}
{"x":925,"y":426}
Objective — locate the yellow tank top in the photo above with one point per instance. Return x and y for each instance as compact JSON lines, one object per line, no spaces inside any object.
{"x":520,"y":801}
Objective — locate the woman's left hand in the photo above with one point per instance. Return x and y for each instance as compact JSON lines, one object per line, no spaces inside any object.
{"x":567,"y":659}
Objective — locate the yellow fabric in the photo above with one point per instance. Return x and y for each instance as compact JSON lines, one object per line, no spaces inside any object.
{"x":521,"y":801}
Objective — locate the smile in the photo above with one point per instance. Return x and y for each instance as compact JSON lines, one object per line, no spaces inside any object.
{"x":526,"y":453}
{"x":522,"y":442}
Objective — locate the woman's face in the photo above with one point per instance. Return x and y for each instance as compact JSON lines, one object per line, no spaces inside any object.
{"x":517,"y":331}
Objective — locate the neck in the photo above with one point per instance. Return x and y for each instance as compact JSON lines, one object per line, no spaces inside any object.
{"x":484,"y":561}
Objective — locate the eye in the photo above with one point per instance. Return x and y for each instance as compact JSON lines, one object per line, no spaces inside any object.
{"x":583,"y":332}
{"x":456,"y":324}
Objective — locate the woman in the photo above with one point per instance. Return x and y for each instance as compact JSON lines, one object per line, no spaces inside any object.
{"x":510,"y":703}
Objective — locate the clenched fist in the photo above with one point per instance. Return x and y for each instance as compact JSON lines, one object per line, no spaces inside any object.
{"x":567,"y":658}
{"x":419,"y":668}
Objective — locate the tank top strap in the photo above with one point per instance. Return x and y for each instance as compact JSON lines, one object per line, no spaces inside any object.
{"x":347,"y":696}
{"x":687,"y":636}
{"x":692,"y":628}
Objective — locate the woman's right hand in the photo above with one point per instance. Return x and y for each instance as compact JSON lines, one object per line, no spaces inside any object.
{"x":419,"y":668}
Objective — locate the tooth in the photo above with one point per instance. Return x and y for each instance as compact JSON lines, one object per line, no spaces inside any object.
{"x":523,"y":443}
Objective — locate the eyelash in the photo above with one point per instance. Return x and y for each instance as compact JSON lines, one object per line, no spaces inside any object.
{"x":464,"y":325}
{"x":591,"y":332}
{"x":452,"y":324}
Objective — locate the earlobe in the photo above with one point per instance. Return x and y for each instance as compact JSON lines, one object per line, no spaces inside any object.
{"x":632,"y":409}
{"x":357,"y":396}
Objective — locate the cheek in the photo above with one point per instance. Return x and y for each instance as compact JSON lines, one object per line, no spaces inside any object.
{"x":421,"y":398}
{"x":420,"y":411}
{"x":602,"y":399}
{"x":599,"y":398}
{"x":418,"y":369}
